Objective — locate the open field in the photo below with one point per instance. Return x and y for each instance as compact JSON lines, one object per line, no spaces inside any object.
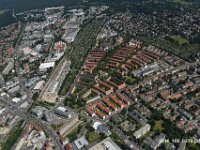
{"x":178,"y":39}
{"x":158,"y":126}
{"x":182,"y":2}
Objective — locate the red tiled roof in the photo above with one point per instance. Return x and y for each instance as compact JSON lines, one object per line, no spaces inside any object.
{"x":89,"y":111}
{"x":135,"y":62}
{"x":143,"y":58}
{"x":123,"y":98}
{"x":197,"y":94}
{"x":128,"y":66}
{"x":105,"y":84}
{"x":165,"y":94}
{"x":150,"y":54}
{"x":100,"y":89}
{"x":127,"y":92}
{"x":117,"y":101}
{"x":119,"y":57}
{"x":95,"y":91}
{"x":100,"y":114}
{"x":109,"y":104}
{"x":115,"y":60}
{"x":176,"y":96}
{"x":113,"y":63}
{"x":68,"y":147}
{"x":138,"y":59}
{"x":188,"y":84}
{"x":106,"y":110}
{"x":147,"y":56}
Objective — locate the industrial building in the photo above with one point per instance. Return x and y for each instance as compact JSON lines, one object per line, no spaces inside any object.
{"x":44,"y":66}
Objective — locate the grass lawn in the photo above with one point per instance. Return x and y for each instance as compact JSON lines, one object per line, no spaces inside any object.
{"x":182,"y":2}
{"x":178,"y":39}
{"x":76,"y":106}
{"x":93,"y":136}
{"x":158,"y":125}
{"x":193,"y":146}
{"x":130,"y":80}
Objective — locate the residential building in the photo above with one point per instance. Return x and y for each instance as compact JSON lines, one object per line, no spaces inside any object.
{"x":142,"y":131}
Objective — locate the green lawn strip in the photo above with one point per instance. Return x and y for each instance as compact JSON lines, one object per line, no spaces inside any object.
{"x":178,"y":39}
{"x":182,"y":2}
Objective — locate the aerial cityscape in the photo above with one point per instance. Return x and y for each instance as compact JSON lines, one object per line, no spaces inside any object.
{"x":100,"y":75}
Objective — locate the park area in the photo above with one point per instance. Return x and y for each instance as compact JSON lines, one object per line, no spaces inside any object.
{"x":158,"y":126}
{"x":178,"y":39}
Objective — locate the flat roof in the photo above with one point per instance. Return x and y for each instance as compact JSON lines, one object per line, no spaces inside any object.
{"x":81,"y":142}
{"x":47,"y":65}
{"x":39,"y":85}
{"x":107,"y":144}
